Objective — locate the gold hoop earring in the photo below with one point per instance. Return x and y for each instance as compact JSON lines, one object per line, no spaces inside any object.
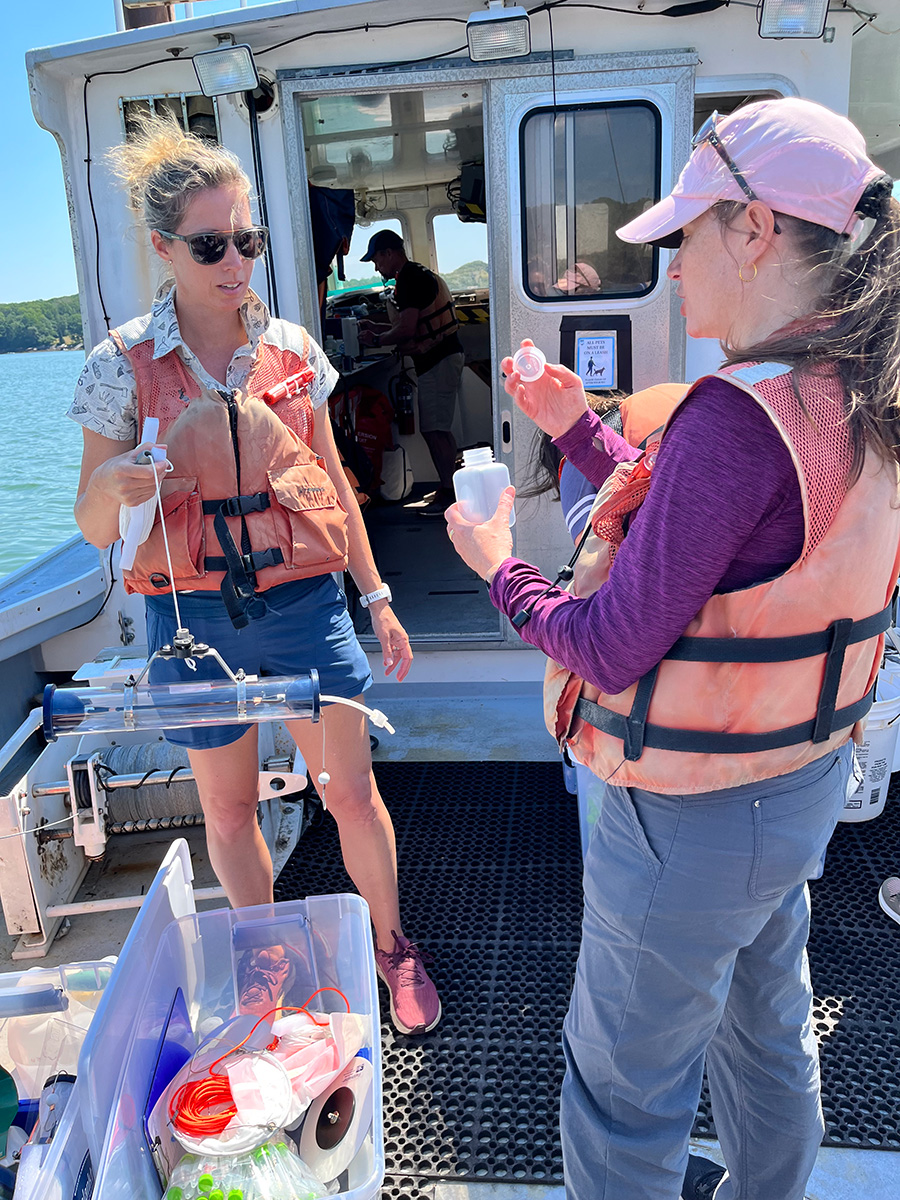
{"x":741,"y":273}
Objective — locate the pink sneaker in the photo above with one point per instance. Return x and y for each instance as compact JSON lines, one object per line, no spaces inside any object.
{"x":415,"y":1005}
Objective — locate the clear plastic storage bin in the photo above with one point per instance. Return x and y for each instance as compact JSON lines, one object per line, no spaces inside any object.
{"x":45,"y":1014}
{"x":192,"y":986}
{"x":65,"y":1168}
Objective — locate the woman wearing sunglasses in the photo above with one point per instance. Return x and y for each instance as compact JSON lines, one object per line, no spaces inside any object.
{"x":716,"y":653}
{"x":259,"y":516}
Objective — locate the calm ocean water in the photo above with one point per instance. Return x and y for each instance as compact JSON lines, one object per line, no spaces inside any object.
{"x":40,"y":453}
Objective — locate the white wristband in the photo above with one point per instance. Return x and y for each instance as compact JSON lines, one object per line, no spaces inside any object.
{"x":383,"y":593}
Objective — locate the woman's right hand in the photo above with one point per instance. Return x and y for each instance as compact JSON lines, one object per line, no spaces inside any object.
{"x":554,"y":402}
{"x":125,"y":481}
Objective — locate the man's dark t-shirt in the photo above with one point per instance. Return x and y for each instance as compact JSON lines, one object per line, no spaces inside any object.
{"x":417,"y":287}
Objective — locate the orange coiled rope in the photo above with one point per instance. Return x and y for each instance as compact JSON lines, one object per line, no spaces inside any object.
{"x":205,"y":1107}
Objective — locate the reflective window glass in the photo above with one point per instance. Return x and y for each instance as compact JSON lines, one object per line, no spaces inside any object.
{"x":586,"y":171}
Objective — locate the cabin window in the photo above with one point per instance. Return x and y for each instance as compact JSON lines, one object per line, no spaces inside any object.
{"x":585,"y":171}
{"x":460,"y":249}
{"x":359,"y":275}
{"x":195,"y":113}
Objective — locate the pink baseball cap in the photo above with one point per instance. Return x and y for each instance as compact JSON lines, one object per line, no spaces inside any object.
{"x":798,"y":157}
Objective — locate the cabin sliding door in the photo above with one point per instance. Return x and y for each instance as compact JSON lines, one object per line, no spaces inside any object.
{"x":571,"y":160}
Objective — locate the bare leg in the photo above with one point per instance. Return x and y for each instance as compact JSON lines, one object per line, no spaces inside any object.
{"x":228,"y":783}
{"x":442,"y":447}
{"x":353,"y":799}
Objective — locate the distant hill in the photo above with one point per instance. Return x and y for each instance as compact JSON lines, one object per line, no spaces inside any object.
{"x":469,"y":275}
{"x":40,"y":325}
{"x":465,"y":278}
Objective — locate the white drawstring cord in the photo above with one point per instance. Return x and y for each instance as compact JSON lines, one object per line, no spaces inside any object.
{"x":162,"y":522}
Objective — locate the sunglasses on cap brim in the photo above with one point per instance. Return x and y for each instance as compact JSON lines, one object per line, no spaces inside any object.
{"x":209,"y":248}
{"x":707,"y":133}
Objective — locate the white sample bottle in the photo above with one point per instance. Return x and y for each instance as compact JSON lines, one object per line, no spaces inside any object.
{"x":478,"y":484}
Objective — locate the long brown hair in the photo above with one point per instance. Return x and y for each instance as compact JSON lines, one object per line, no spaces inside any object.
{"x":855,"y":328}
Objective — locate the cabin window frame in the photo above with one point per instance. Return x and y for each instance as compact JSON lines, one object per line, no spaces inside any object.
{"x":602,"y":294}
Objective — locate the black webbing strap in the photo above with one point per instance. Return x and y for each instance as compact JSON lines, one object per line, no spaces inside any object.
{"x":636,"y":721}
{"x":238,"y":584}
{"x":832,"y":642}
{"x":834,"y":664}
{"x":780,"y":649}
{"x":252,"y":562}
{"x":237,"y":506}
{"x":688,"y":741}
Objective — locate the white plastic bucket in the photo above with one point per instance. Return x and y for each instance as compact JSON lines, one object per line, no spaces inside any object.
{"x":876,"y":754}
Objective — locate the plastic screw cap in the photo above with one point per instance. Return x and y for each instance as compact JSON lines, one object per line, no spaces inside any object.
{"x":530,"y":363}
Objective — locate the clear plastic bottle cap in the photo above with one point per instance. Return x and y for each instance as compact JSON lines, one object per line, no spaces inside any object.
{"x":530,"y":363}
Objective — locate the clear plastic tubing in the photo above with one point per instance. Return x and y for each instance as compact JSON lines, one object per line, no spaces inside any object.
{"x":478,"y":484}
{"x":530,"y":363}
{"x":176,"y":705}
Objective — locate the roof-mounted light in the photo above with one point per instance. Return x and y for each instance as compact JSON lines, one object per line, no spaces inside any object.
{"x":225,"y":70}
{"x":501,"y":32}
{"x":792,"y":18}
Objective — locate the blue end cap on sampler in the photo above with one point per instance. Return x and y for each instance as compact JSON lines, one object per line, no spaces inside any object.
{"x":60,"y":702}
{"x":302,"y":694}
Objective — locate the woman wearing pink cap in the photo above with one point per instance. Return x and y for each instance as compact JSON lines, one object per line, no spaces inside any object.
{"x":716,"y":652}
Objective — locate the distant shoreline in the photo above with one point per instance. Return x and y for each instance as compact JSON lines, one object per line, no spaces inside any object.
{"x":28,"y":326}
{"x":43,"y":349}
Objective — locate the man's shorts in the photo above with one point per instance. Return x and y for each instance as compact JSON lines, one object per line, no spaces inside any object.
{"x":307,"y":626}
{"x":438,"y":390}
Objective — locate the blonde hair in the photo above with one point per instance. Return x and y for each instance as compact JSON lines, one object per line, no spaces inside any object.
{"x":164,"y":168}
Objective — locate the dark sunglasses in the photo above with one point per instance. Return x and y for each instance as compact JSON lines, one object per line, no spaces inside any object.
{"x":209,"y":248}
{"x":707,"y":133}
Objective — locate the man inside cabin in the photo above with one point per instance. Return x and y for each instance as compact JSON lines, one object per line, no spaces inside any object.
{"x":423,"y":325}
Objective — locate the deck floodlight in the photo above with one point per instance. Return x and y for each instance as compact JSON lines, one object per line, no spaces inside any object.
{"x":501,"y":32}
{"x":226,"y":69}
{"x":792,"y":18}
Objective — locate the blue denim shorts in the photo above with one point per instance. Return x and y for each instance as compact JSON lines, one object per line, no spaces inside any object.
{"x":306,"y":626}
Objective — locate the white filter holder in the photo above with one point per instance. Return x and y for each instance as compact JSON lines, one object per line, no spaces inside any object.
{"x":136,"y":522}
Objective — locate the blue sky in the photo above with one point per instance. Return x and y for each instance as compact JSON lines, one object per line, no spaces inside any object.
{"x":37,"y":260}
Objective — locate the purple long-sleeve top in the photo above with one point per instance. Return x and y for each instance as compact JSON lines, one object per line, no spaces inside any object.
{"x":723,"y":512}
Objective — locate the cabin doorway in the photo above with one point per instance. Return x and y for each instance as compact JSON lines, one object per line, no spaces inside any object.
{"x":410,"y":160}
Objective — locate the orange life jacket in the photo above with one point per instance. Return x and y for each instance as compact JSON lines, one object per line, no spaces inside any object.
{"x":768,"y":678}
{"x":436,"y":321}
{"x":248,"y":504}
{"x":646,"y":412}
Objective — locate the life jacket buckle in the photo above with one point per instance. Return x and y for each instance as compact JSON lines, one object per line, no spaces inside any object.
{"x":239,"y":506}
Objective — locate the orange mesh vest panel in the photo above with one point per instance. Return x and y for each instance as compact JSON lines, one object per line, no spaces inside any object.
{"x":248,"y":502}
{"x":714,"y":714}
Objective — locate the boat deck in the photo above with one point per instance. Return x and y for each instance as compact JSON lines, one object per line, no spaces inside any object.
{"x":478,"y":718}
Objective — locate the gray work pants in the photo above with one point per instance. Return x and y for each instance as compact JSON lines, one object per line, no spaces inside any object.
{"x":693,"y":946}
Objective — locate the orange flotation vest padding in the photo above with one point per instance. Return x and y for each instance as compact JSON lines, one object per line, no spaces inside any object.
{"x":771,"y":677}
{"x":645,"y":412}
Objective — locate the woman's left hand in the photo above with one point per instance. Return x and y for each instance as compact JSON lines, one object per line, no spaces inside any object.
{"x":395,"y":648}
{"x":482,"y":546}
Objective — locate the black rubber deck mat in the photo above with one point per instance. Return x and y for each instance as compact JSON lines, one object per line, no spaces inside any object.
{"x":490,"y":881}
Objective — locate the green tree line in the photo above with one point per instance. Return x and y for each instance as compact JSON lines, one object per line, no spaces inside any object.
{"x":40,"y":324}
{"x":469,"y":275}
